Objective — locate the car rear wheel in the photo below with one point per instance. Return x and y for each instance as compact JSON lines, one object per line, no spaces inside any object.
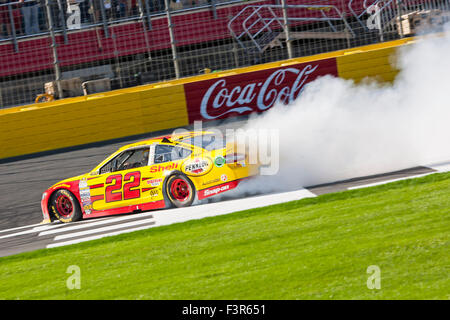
{"x":180,"y":191}
{"x":65,"y":206}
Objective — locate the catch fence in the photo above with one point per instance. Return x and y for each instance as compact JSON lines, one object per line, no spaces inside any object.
{"x":53,"y":49}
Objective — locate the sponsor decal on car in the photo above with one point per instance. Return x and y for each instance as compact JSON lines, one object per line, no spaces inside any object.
{"x":85,"y":196}
{"x":64,"y":185}
{"x":219,"y":161}
{"x":210,"y":181}
{"x":85,"y":193}
{"x":154,"y":182}
{"x":224,"y":177}
{"x":160,"y":167}
{"x":82,"y":184}
{"x":197,"y":166}
{"x":210,"y":192}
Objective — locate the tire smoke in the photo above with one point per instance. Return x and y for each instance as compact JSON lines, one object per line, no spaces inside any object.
{"x":338,"y":130}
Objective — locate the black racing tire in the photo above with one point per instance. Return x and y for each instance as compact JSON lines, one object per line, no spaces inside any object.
{"x":65,"y":207}
{"x":179,"y":191}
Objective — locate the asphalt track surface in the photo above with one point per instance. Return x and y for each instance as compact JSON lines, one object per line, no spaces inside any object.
{"x":22,"y":183}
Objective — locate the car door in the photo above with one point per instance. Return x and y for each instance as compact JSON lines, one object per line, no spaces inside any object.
{"x":118,"y":183}
{"x":164,"y":158}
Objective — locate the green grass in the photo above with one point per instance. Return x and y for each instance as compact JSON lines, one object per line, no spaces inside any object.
{"x":316,"y":248}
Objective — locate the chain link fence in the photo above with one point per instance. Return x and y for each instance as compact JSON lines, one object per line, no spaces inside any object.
{"x":53,"y":49}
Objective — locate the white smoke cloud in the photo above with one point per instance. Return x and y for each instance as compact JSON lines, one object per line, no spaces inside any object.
{"x":339,"y":130}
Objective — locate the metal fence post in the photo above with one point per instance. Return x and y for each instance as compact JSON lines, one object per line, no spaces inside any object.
{"x":214,"y":9}
{"x":286,"y":30}
{"x":13,"y":28}
{"x":235,"y":54}
{"x":62,"y":18}
{"x":380,"y":15}
{"x":400,"y":19}
{"x":144,"y":25}
{"x":147,"y":13}
{"x":172,"y":40}
{"x":103,"y":14}
{"x":55,"y":53}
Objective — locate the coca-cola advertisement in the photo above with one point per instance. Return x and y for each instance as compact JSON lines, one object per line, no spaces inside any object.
{"x":257,"y":91}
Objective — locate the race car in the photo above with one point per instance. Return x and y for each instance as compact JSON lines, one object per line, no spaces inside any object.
{"x":163,"y":172}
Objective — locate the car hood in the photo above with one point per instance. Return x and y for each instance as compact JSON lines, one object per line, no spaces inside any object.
{"x":70,"y":180}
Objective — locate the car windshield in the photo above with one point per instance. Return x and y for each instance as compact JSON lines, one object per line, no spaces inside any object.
{"x":206,"y":141}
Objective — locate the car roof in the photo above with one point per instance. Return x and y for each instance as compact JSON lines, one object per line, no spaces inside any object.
{"x":172,"y":138}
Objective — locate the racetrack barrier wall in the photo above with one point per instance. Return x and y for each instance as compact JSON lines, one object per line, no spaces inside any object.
{"x":144,"y":109}
{"x":90,"y":119}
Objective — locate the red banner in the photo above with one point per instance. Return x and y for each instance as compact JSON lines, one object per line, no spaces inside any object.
{"x":256,"y":91}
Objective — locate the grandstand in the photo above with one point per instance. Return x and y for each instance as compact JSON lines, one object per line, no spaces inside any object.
{"x":68,"y":48}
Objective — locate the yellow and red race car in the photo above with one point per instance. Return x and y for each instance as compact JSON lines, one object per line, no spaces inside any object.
{"x":162,"y":172}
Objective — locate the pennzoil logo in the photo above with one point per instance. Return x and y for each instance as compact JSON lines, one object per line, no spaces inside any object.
{"x":197,"y":166}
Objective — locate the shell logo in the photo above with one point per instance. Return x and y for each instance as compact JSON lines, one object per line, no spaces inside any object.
{"x":197,"y":166}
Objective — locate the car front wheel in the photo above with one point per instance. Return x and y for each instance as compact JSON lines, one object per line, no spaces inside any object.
{"x":65,"y":206}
